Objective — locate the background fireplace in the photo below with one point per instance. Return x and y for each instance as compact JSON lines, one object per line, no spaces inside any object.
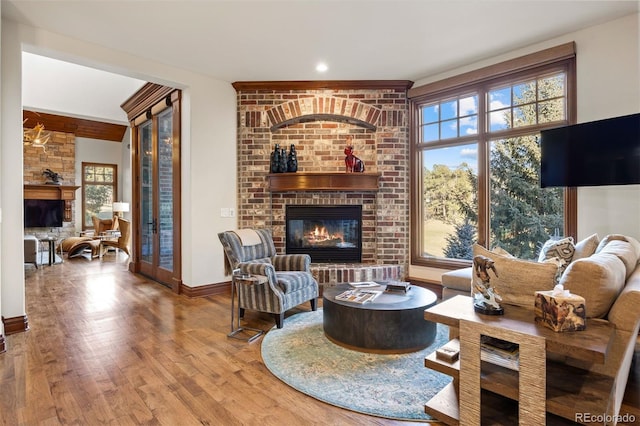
{"x":327,"y":233}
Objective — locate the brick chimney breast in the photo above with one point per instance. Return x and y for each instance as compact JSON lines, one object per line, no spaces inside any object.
{"x":319,"y":122}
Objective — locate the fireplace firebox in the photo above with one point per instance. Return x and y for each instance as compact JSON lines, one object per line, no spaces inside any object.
{"x":329,"y":234}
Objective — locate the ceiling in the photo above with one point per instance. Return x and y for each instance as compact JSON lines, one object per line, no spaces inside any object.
{"x":263,"y":40}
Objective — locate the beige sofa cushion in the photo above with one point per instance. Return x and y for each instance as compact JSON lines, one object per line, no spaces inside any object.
{"x":625,"y":252}
{"x":518,"y":280}
{"x":598,"y":278}
{"x":458,"y":279}
{"x":625,"y":313}
{"x":619,"y":237}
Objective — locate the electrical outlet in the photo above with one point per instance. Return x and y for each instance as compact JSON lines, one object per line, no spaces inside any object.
{"x":232,"y":212}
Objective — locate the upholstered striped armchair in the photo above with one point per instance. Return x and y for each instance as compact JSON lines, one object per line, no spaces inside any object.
{"x":289,"y":279}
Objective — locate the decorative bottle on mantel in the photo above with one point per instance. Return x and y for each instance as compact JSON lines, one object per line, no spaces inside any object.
{"x":282,"y":167}
{"x":275,"y":159}
{"x":292,"y":160}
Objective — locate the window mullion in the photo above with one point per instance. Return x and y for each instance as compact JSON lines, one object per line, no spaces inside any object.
{"x":483,"y":167}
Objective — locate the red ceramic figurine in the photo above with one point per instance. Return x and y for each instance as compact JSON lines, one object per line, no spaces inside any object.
{"x":353,"y":164}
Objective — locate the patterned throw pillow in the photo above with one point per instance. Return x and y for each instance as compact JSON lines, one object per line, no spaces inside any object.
{"x":562,"y":250}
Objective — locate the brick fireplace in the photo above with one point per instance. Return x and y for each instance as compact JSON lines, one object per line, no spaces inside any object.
{"x":320,"y":119}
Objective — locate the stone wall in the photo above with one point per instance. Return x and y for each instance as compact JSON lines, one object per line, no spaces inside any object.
{"x":58,"y":155}
{"x":320,"y":123}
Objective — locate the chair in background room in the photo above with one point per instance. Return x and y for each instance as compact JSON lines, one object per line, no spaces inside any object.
{"x":289,"y":280}
{"x":102,"y":226}
{"x":31,"y":250}
{"x":122,"y":241}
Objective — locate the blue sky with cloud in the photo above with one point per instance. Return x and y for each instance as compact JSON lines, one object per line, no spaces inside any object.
{"x":452,"y":157}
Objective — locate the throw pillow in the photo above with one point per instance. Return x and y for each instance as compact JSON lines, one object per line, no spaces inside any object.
{"x":586,"y":247}
{"x":598,"y":278}
{"x":562,"y":250}
{"x":518,"y":280}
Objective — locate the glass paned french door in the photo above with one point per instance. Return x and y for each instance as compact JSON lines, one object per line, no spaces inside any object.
{"x":146,"y":224}
{"x":157,"y":204}
{"x":165,"y":188}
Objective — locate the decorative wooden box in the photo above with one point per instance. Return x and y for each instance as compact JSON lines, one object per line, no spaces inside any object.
{"x":560,"y":312}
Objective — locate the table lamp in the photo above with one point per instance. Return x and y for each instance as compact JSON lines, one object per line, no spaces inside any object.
{"x":120,"y":207}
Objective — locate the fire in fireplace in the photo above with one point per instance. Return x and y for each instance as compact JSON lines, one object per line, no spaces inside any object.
{"x":327,"y":233}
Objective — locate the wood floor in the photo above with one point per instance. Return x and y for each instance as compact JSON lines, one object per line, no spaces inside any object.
{"x":107,"y":346}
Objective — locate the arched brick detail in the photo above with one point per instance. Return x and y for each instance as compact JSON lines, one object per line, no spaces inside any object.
{"x":326,"y":108}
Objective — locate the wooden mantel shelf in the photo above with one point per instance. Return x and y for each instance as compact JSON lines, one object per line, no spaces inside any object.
{"x":321,"y":181}
{"x":53,"y":192}
{"x":50,"y":192}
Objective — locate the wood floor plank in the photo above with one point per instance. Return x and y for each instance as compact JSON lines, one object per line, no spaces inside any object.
{"x":108,"y":346}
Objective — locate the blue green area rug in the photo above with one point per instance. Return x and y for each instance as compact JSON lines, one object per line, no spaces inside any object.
{"x":390,"y":386}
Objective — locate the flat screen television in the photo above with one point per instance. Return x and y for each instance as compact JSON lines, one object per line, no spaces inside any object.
{"x":43,"y":213}
{"x":603,"y":152}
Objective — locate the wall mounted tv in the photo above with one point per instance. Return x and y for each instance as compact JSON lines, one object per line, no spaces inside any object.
{"x":43,"y":213}
{"x":603,"y":152}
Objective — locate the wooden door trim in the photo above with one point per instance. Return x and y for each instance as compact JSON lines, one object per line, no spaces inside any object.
{"x":145,"y":104}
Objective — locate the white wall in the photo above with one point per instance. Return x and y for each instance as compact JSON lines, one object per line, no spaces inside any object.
{"x":608,"y":75}
{"x":11,"y":185}
{"x":97,"y":151}
{"x":1,"y":314}
{"x":208,"y":155}
{"x":608,"y":65}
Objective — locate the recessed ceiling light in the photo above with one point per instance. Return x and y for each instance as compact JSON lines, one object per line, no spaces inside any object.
{"x":322,"y":67}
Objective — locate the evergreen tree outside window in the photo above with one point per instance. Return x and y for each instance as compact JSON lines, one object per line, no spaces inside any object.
{"x":99,"y":191}
{"x":476,"y":148}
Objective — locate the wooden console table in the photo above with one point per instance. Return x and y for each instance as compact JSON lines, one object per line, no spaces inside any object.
{"x":540,"y":385}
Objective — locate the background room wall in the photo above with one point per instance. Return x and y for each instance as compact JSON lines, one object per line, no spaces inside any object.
{"x":608,"y":76}
{"x":99,"y":151}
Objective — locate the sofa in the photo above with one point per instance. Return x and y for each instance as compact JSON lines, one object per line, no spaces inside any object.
{"x":605,"y":272}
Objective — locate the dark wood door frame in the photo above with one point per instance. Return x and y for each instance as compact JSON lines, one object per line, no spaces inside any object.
{"x":150,"y":100}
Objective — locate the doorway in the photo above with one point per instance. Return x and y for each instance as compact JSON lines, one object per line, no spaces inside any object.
{"x":156,"y":183}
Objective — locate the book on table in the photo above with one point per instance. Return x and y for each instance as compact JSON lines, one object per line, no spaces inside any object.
{"x":397,"y":287}
{"x":358,"y":295}
{"x":363,"y":284}
{"x":500,"y":352}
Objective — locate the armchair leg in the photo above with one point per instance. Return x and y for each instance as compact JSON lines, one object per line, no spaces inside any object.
{"x":314,"y":303}
{"x":279,"y":319}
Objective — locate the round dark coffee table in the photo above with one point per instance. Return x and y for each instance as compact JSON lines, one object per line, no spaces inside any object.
{"x":392,"y":323}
